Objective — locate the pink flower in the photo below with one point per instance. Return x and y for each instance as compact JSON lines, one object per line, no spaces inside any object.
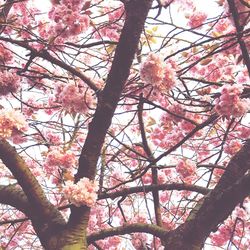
{"x":197,"y":19}
{"x":156,"y":72}
{"x":233,"y":147}
{"x":58,"y":157}
{"x":5,"y":55}
{"x":185,"y":168}
{"x":10,"y":82}
{"x":52,"y":137}
{"x":11,"y":121}
{"x":229,"y":103}
{"x":84,"y":192}
{"x":139,"y":240}
{"x":244,"y":132}
{"x":74,"y":99}
{"x":69,"y":21}
{"x":152,"y":69}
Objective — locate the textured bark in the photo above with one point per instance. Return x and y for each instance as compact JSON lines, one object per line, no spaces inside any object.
{"x":13,"y":196}
{"x":67,"y":239}
{"x":45,"y":217}
{"x":136,"y":13}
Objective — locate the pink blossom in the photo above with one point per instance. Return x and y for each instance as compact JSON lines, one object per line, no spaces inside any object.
{"x":10,"y":82}
{"x":74,"y":99}
{"x":52,"y":137}
{"x":18,"y":138}
{"x":139,"y":240}
{"x":222,"y":27}
{"x":11,"y":121}
{"x":221,"y":236}
{"x":233,"y":147}
{"x":69,"y":21}
{"x":152,"y":69}
{"x":156,"y":72}
{"x":58,"y":157}
{"x":230,"y":103}
{"x":5,"y":55}
{"x":84,"y":192}
{"x":197,"y":19}
{"x":186,"y":168}
{"x":244,"y":132}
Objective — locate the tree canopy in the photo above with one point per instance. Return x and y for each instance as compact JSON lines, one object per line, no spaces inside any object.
{"x":124,"y":124}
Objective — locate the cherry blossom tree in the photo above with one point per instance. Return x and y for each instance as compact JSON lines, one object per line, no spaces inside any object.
{"x":124,"y":124}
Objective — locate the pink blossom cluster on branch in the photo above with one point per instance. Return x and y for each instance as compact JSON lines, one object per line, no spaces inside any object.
{"x":74,"y":99}
{"x":68,"y":18}
{"x":154,"y":71}
{"x":186,"y":169}
{"x":83,"y":193}
{"x":10,"y":82}
{"x":233,"y":147}
{"x":57,"y":157}
{"x":5,"y":54}
{"x":197,"y":19}
{"x":230,"y":103}
{"x":11,"y":123}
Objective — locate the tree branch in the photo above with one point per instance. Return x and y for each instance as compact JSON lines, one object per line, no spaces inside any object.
{"x":127,"y":229}
{"x":4,"y":13}
{"x":46,"y":55}
{"x":239,"y":30}
{"x":42,"y":209}
{"x":13,"y":196}
{"x":136,"y":13}
{"x":150,"y":188}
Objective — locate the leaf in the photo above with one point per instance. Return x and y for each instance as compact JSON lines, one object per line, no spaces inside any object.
{"x":151,"y":121}
{"x":206,"y":61}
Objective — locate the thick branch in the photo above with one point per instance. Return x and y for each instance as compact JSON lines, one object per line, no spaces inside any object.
{"x":30,"y":186}
{"x":136,"y":13}
{"x":127,"y":229}
{"x":13,"y":196}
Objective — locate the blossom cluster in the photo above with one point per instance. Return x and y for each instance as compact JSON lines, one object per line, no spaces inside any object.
{"x":11,"y":122}
{"x":74,"y":99}
{"x":166,"y":140}
{"x":197,"y":19}
{"x":113,"y":13}
{"x":156,"y":72}
{"x":177,"y":113}
{"x":230,"y":103}
{"x":84,"y":192}
{"x":52,"y":138}
{"x":185,"y":168}
{"x":68,"y":17}
{"x":233,"y":147}
{"x":10,"y":82}
{"x":57,"y":157}
{"x":5,"y":54}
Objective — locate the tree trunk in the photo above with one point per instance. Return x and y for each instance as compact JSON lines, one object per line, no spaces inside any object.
{"x":66,"y":240}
